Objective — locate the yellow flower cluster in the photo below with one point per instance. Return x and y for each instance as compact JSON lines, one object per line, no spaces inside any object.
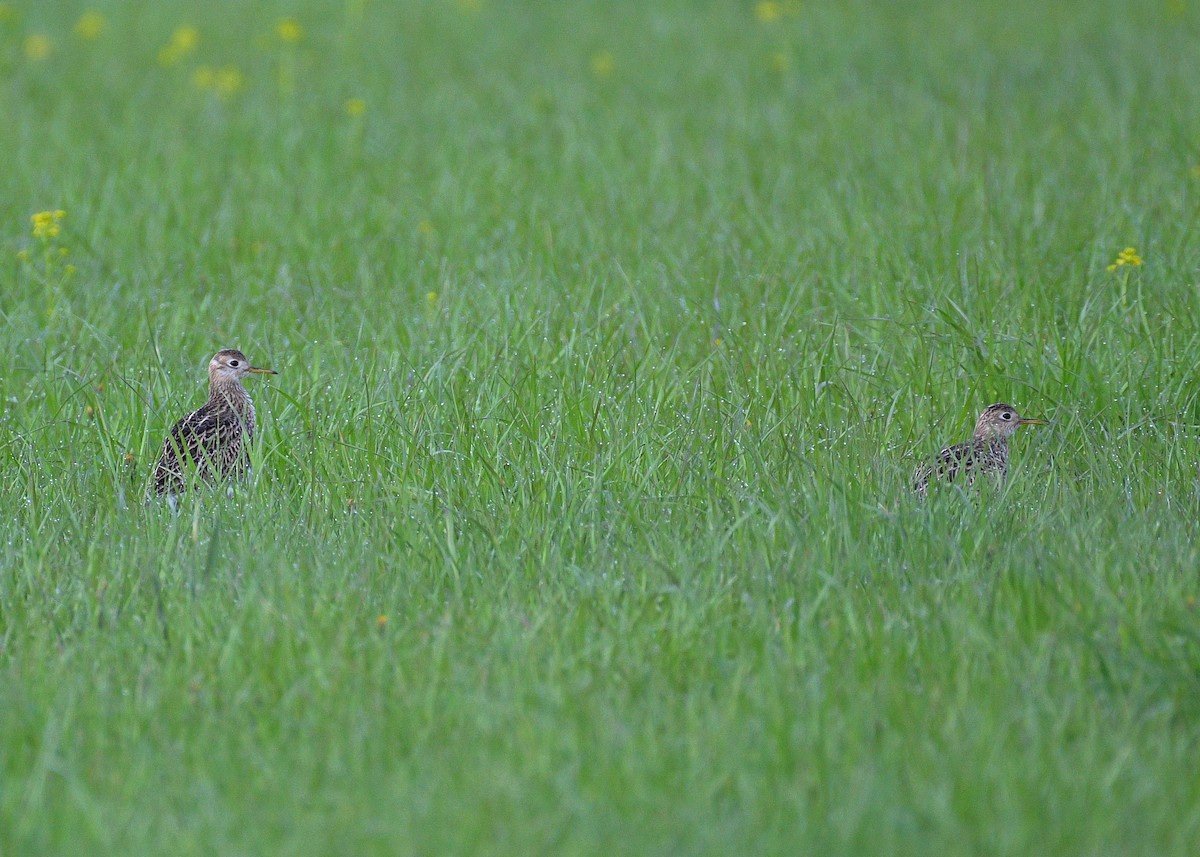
{"x":183,"y":42}
{"x":183,"y":50}
{"x":37,"y":47}
{"x":1128,"y":256}
{"x":49,"y":265}
{"x":225,"y":81}
{"x":769,"y":11}
{"x":90,"y":25}
{"x":289,"y":30}
{"x":229,"y":81}
{"x":47,"y":224}
{"x":604,"y":64}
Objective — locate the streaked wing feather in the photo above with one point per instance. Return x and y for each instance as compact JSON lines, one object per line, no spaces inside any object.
{"x":945,"y":465}
{"x":967,"y":459}
{"x":209,"y":438}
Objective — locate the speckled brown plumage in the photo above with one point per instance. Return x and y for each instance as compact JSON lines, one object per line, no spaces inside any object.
{"x":216,"y":438}
{"x":986,"y":454}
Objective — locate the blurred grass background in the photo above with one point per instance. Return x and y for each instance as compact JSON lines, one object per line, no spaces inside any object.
{"x":609,"y":334}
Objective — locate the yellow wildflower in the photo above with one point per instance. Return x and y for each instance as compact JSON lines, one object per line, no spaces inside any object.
{"x":356,"y":106}
{"x":203,"y":77}
{"x":185,"y":39}
{"x":90,"y":25}
{"x":228,"y":81}
{"x":1128,"y":256}
{"x":603,"y":64}
{"x":47,"y":224}
{"x":289,"y":30}
{"x":426,"y":229}
{"x":768,"y":11}
{"x":381,"y":621}
{"x":183,"y":42}
{"x":37,"y":47}
{"x":431,"y":298}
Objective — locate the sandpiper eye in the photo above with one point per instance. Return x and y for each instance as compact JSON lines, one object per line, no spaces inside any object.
{"x":234,"y":363}
{"x":1007,"y":414}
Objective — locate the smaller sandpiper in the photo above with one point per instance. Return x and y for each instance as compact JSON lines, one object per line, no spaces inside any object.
{"x":986,"y":454}
{"x":215,"y":440}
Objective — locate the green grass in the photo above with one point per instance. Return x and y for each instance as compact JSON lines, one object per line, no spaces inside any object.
{"x":581,"y":522}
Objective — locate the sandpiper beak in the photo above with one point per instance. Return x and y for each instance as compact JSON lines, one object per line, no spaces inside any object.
{"x":1022,"y":421}
{"x":256,"y":370}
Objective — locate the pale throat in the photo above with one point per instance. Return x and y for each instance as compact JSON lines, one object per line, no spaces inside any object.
{"x":232,"y":395}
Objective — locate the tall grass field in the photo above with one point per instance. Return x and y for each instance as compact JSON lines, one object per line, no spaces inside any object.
{"x":609,"y":335}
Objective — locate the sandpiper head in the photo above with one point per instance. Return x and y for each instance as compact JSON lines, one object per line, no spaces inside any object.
{"x":229,"y":364}
{"x":999,"y":421}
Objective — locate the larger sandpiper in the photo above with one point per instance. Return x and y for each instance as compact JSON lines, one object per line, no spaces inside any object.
{"x":216,"y":438}
{"x":986,"y":454}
